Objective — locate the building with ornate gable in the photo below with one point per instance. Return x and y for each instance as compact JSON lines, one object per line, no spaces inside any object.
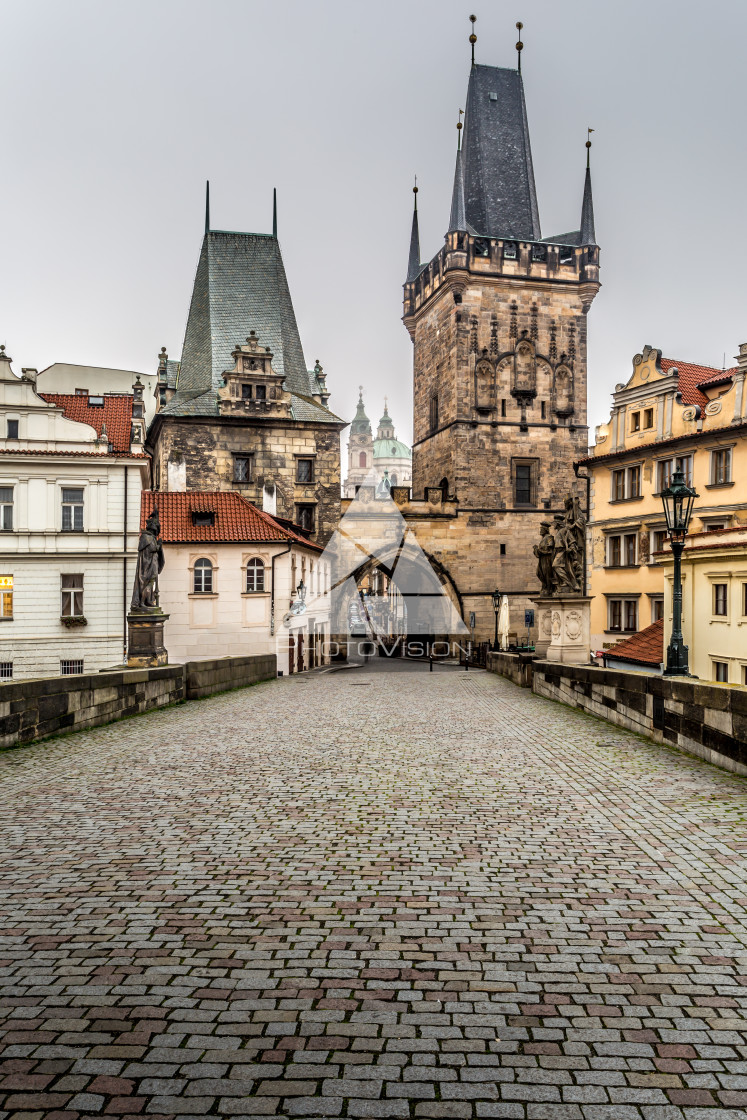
{"x":240,"y":411}
{"x":668,"y":416}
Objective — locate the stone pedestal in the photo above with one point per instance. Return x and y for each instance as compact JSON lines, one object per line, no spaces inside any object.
{"x":543,"y":606}
{"x":570,"y":626}
{"x":145,"y":648}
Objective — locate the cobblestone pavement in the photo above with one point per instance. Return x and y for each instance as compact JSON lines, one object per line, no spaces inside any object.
{"x":372,"y":895}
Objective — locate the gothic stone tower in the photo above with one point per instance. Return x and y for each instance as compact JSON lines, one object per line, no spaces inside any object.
{"x":498,"y":323}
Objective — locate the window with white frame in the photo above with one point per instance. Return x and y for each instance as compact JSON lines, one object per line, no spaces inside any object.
{"x":665,"y":468}
{"x":203,"y":577}
{"x":255,"y":575}
{"x":622,"y":550}
{"x":6,"y":596}
{"x":70,"y":666}
{"x":721,"y":671}
{"x":6,"y":509}
{"x":657,"y":607}
{"x":622,"y":615}
{"x":72,"y":509}
{"x":721,"y":467}
{"x":659,"y":539}
{"x":720,"y":599}
{"x":11,"y":430}
{"x":6,"y":670}
{"x":626,"y":483}
{"x":71,"y":593}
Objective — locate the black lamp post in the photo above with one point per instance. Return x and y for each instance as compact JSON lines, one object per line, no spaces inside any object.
{"x":496,"y":597}
{"x":677,"y":500}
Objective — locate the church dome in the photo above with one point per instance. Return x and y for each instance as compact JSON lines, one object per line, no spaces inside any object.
{"x":391,"y":449}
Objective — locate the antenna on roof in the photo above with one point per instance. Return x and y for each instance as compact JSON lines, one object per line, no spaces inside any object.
{"x":519,"y":45}
{"x":274,"y":212}
{"x":207,"y":206}
{"x":459,"y":130}
{"x":473,"y":37}
{"x":588,"y":145}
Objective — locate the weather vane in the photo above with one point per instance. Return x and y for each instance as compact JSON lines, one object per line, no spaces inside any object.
{"x":519,"y":45}
{"x":473,"y":37}
{"x":588,"y":145}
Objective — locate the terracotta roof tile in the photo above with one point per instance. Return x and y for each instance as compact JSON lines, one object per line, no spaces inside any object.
{"x":690,"y":377}
{"x":115,"y":412}
{"x":236,"y":519}
{"x":644,"y":648}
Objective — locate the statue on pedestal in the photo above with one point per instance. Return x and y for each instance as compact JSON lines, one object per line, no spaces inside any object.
{"x":149,"y":565}
{"x":544,"y":551}
{"x":560,"y":552}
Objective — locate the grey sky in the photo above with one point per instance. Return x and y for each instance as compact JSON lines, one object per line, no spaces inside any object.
{"x":115,"y":113}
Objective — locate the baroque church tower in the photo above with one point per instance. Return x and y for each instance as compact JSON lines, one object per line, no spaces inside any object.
{"x":498,"y":322}
{"x":360,"y":449}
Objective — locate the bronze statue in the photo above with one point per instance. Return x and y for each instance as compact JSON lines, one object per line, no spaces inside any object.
{"x":544,"y":551}
{"x":149,"y":565}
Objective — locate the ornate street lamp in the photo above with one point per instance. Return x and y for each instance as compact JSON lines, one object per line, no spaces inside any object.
{"x":677,"y":500}
{"x":496,"y":597}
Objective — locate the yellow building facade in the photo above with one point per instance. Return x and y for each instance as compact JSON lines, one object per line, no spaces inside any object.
{"x":714,"y":604}
{"x":669,"y":415}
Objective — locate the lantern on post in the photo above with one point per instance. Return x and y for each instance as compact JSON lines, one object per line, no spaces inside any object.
{"x":677,"y":499}
{"x":496,"y":597}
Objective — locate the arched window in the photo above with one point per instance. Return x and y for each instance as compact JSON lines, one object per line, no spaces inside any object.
{"x":393,"y":479}
{"x":255,"y":575}
{"x":203,"y":577}
{"x":362,"y":459}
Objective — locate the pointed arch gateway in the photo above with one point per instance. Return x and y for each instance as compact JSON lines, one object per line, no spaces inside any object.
{"x":386,"y":590}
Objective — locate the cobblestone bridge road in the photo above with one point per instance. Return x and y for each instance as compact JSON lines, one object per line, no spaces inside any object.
{"x":364,"y":894}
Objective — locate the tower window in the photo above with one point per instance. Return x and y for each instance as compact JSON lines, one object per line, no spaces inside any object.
{"x":566,"y":254}
{"x":304,"y":470}
{"x":305,"y":517}
{"x":503,"y":408}
{"x":542,"y":407}
{"x":260,"y":392}
{"x":539,"y":253}
{"x":525,"y":479}
{"x":510,"y":250}
{"x":362,"y":459}
{"x":242,"y":468}
{"x":246,"y":392}
{"x":434,"y":412}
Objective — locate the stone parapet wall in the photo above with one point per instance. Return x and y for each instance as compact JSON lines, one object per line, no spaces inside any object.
{"x":517,"y":667}
{"x":705,"y":719}
{"x":34,"y":709}
{"x":203,"y":678}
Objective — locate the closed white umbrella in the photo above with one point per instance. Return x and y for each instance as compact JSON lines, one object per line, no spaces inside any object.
{"x":503,"y":622}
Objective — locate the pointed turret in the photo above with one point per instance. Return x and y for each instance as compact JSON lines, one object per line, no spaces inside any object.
{"x":386,"y":427}
{"x":360,"y":425}
{"x":458,"y":218}
{"x":588,"y":236}
{"x":413,"y":262}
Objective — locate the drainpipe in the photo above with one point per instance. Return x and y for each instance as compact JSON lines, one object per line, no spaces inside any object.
{"x":124,"y":575}
{"x":272,"y":591}
{"x":586,"y":476}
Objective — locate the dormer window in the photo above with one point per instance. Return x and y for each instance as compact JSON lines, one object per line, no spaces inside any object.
{"x":635,"y":422}
{"x":539,"y":253}
{"x":96,"y":402}
{"x":510,"y":250}
{"x":203,"y":519}
{"x":246,"y":392}
{"x":566,"y":254}
{"x":260,"y":392}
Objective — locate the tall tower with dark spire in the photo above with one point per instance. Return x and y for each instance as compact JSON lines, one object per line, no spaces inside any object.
{"x":498,"y":322}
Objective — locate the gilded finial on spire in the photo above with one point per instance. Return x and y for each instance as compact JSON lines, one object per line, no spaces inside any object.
{"x":588,"y":146}
{"x":207,"y":206}
{"x":415,"y":192}
{"x":360,"y":392}
{"x":274,"y":212}
{"x":519,"y":45}
{"x":459,"y":130}
{"x":473,"y":37}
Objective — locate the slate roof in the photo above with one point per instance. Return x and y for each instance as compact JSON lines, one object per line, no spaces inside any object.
{"x":116,"y":413}
{"x":240,"y":285}
{"x":499,"y":190}
{"x":236,"y":519}
{"x":644,"y":648}
{"x":690,"y":377}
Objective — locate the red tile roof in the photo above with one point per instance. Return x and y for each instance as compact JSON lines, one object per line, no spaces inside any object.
{"x":116,"y":413}
{"x":644,"y":648}
{"x":236,"y":519}
{"x":692,"y":376}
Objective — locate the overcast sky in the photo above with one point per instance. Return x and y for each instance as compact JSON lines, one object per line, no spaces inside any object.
{"x":114,"y":115}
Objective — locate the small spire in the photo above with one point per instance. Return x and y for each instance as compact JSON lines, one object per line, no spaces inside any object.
{"x":413,"y":261}
{"x":588,"y":235}
{"x":473,"y":37}
{"x":519,"y":45}
{"x":207,"y":206}
{"x":274,"y":212}
{"x":458,"y":218}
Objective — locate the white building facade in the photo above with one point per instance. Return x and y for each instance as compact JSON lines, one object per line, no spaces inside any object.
{"x":236,"y":582}
{"x":71,"y":472}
